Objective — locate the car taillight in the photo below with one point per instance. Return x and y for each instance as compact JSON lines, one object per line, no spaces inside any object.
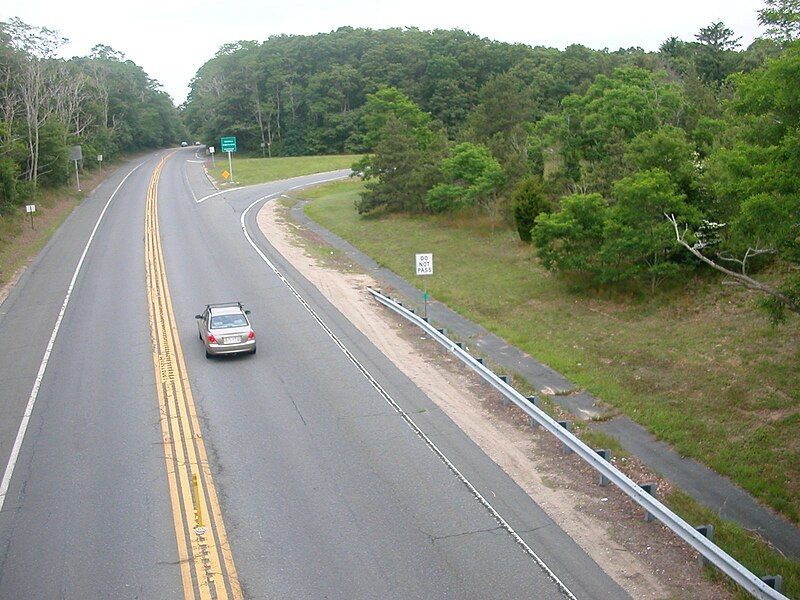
{"x":251,"y":335}
{"x":211,"y":339}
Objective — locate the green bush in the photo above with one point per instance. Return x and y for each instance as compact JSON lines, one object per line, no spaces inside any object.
{"x":570,"y":240}
{"x":528,"y":202}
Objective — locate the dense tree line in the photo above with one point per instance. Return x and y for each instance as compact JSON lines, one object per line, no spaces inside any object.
{"x":306,"y":94}
{"x":102,"y":102}
{"x":618,"y":166}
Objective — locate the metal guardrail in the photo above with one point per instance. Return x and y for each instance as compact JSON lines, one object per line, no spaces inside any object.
{"x":710,"y":551}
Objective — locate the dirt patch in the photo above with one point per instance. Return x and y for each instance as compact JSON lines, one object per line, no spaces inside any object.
{"x":646,"y":559}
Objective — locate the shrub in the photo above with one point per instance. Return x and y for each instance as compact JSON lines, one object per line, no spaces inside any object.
{"x":528,"y":202}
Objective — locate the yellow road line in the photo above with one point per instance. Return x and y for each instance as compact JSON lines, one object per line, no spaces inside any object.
{"x":206,"y":562}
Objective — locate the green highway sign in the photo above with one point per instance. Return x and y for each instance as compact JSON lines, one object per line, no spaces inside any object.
{"x":228,"y":144}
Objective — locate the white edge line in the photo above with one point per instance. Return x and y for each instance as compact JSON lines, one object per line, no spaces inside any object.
{"x":245,"y":187}
{"x":186,"y":178}
{"x":409,"y":421}
{"x":204,"y":198}
{"x":23,"y":427}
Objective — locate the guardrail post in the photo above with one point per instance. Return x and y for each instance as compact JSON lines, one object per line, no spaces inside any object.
{"x":535,"y":401}
{"x":605,"y":454}
{"x":440,"y":330}
{"x":706,"y":531}
{"x":568,"y":426}
{"x":652,"y":489}
{"x":505,"y":400}
{"x":460,"y":345}
{"x":774,"y":581}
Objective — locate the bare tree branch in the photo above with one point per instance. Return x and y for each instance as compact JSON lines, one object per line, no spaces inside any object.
{"x":740,"y":278}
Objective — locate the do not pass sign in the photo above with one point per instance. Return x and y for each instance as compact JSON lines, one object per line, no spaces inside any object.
{"x":424,"y":264}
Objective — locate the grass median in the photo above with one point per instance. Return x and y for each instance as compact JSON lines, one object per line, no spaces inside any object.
{"x":249,"y":171}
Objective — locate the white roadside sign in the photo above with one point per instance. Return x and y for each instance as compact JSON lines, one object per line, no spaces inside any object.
{"x":31,"y":208}
{"x":424,"y":264}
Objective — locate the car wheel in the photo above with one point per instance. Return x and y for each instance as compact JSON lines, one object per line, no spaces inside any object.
{"x":253,"y":351}
{"x":208,"y":354}
{"x":200,"y":335}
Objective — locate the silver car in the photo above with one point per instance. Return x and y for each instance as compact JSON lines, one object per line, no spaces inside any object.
{"x":225,"y":329}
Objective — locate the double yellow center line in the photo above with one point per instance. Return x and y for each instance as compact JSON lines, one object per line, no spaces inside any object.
{"x":206,"y":563}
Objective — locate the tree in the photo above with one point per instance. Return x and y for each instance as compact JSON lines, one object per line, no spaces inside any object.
{"x":37,"y":82}
{"x":498,"y":121}
{"x":782,"y":20}
{"x":449,"y":91}
{"x":390,"y":102}
{"x":569,"y":240}
{"x":755,"y":179}
{"x":400,"y":170}
{"x":614,"y":110}
{"x":637,"y":243}
{"x":47,"y":104}
{"x":407,"y":149}
{"x":668,"y":149}
{"x":716,"y":44}
{"x":53,"y":157}
{"x":471,"y":177}
{"x":529,"y":201}
{"x":9,"y":170}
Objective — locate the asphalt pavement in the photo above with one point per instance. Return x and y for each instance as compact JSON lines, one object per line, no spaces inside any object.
{"x":336,"y":476}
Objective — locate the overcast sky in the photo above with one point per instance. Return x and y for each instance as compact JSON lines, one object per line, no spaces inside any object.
{"x":171,"y":39}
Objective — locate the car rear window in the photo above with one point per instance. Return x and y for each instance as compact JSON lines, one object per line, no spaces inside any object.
{"x":228,"y":321}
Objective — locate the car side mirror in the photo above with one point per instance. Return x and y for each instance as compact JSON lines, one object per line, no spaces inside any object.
{"x":247,"y":312}
{"x":198,"y":316}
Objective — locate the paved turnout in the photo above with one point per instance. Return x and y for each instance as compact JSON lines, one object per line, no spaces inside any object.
{"x":334,"y":475}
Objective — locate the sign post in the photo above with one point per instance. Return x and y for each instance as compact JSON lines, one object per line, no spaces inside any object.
{"x":211,"y":151}
{"x":76,"y":154}
{"x":228,"y":144}
{"x":100,"y":161}
{"x":30,"y":209}
{"x":425,"y":267}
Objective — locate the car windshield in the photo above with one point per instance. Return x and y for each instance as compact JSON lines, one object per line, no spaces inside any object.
{"x":228,"y":321}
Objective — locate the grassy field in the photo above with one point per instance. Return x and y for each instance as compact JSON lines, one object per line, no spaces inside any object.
{"x":700,"y":367}
{"x":249,"y":171}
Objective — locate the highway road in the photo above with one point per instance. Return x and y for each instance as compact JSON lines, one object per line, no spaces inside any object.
{"x":322,"y":471}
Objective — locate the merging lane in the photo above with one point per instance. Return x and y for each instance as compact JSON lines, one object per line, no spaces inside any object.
{"x":321,"y":462}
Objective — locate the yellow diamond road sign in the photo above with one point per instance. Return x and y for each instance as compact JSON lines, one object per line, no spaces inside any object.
{"x":225,"y":174}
